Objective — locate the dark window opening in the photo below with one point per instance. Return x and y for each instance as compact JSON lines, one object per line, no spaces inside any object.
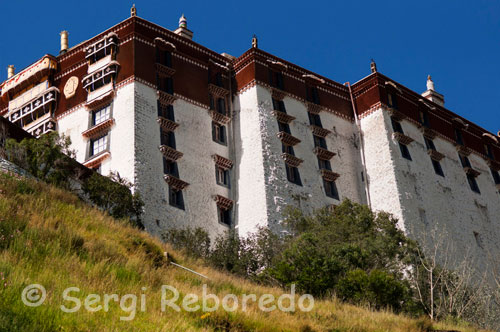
{"x":276,"y":79}
{"x":496,"y":176}
{"x":437,"y":167}
{"x":292,"y":174}
{"x":314,"y":119}
{"x":224,"y":216}
{"x":167,"y":138}
{"x":424,"y":118}
{"x":404,"y":151}
{"x":319,"y":142}
{"x":287,"y":149}
{"x":164,"y":57}
{"x":458,"y":136}
{"x":429,"y":144}
{"x":392,"y":100}
{"x":312,"y":94}
{"x":331,"y":189}
{"x":218,"y":79}
{"x":285,"y":127}
{"x":166,"y":111}
{"x":279,"y":105}
{"x":396,"y":126}
{"x":170,"y":168}
{"x":324,"y":164}
{"x":221,"y":106}
{"x":464,"y":161}
{"x":175,"y":198}
{"x":219,"y":133}
{"x":489,"y":151}
{"x":165,"y":84}
{"x":473,"y":183}
{"x":222,"y":176}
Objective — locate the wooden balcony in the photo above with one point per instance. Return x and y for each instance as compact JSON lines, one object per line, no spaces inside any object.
{"x":288,"y":139}
{"x":402,"y":138}
{"x":166,"y":124}
{"x":170,"y":153}
{"x":323,"y":153}
{"x":99,"y":129}
{"x":291,"y":160}
{"x":175,"y":182}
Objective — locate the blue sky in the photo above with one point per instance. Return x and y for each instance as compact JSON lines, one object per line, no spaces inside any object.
{"x":457,"y":42}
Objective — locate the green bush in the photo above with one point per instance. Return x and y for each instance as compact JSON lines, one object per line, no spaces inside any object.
{"x":113,"y":194}
{"x":195,"y":242}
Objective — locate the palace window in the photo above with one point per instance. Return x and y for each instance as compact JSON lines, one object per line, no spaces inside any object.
{"x":167,"y":138}
{"x":100,"y":78}
{"x":164,"y":57}
{"x":287,"y":149}
{"x":276,"y":79}
{"x":98,"y":145}
{"x":404,"y":151}
{"x":496,"y":176}
{"x":324,"y":164}
{"x":285,"y":127}
{"x":170,"y":167}
{"x":219,"y":133}
{"x":175,"y":198}
{"x":224,"y":216}
{"x":221,"y":106}
{"x":319,"y":141}
{"x":101,"y":49}
{"x":392,"y":100}
{"x":458,"y":136}
{"x":314,"y":119}
{"x":166,"y":111}
{"x":165,"y":84}
{"x":312,"y":94}
{"x":424,"y":118}
{"x":488,"y":151}
{"x":222,"y":176}
{"x":279,"y":105}
{"x":396,"y":126}
{"x":331,"y":189}
{"x":292,"y":174}
{"x":473,"y":183}
{"x":437,"y":167}
{"x":218,"y":79}
{"x":464,"y":160}
{"x":429,"y":144}
{"x":101,"y":115}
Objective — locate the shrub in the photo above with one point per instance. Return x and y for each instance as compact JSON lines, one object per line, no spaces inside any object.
{"x":195,"y":241}
{"x":48,"y":158}
{"x":113,"y":194}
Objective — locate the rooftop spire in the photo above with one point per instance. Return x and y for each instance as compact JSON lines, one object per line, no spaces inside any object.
{"x":182,"y":30}
{"x":183,"y":23}
{"x":373,"y":66}
{"x":432,"y":94}
{"x":133,"y":11}
{"x":430,"y":83}
{"x":255,"y":42}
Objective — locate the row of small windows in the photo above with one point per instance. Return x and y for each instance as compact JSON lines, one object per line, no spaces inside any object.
{"x":276,"y":81}
{"x":464,"y":160}
{"x":292,"y":172}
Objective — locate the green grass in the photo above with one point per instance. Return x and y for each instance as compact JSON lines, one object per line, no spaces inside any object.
{"x":49,"y":237}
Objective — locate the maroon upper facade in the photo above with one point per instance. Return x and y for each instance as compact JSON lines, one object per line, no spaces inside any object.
{"x":195,"y":67}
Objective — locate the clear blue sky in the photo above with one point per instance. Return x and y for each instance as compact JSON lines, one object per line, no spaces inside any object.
{"x":457,"y":42}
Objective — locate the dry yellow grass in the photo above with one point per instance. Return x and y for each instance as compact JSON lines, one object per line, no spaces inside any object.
{"x":60,"y":242}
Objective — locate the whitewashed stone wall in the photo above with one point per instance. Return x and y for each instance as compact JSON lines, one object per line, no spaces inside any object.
{"x":264,"y":191}
{"x":121,"y":135}
{"x":431,"y":208}
{"x":194,"y":138}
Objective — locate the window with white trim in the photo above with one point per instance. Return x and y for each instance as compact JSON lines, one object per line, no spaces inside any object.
{"x":98,"y":145}
{"x":101,"y":115}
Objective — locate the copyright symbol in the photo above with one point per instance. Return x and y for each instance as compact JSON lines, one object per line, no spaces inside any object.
{"x":33,"y":295}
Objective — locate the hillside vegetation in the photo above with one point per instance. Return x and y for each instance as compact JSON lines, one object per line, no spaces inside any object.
{"x":50,"y":237}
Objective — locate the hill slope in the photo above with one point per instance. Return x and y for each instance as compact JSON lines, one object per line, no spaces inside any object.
{"x":50,"y":237}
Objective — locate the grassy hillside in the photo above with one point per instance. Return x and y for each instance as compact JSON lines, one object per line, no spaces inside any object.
{"x":49,"y":237}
